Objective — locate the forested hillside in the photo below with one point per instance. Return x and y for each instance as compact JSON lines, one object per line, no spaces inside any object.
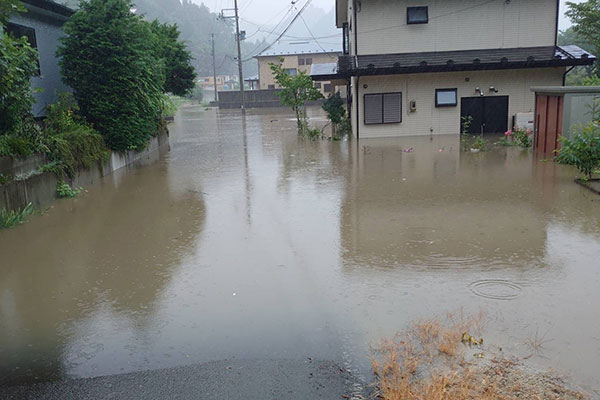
{"x":196,"y":23}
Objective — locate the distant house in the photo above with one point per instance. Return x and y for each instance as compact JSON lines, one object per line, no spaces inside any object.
{"x":252,"y":82}
{"x":42,"y":25}
{"x":298,"y":56}
{"x":416,"y":67}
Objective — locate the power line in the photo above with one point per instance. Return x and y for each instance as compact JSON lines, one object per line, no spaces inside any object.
{"x":313,"y":36}
{"x":285,"y":30}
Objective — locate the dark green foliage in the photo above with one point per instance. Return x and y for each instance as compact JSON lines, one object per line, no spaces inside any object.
{"x":9,"y":219}
{"x":179,"y":73}
{"x":72,"y":143}
{"x":108,"y":58}
{"x":583,"y":151}
{"x":63,"y":190}
{"x":8,"y":7}
{"x":296,"y":91}
{"x":585,"y":17}
{"x":336,"y":113}
{"x":18,"y":63}
{"x":334,"y":108}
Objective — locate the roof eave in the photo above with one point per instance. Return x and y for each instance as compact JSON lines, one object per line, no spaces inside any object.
{"x":49,"y":6}
{"x":465,"y":67}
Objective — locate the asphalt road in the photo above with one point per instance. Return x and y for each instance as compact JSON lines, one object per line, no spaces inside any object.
{"x":228,"y":379}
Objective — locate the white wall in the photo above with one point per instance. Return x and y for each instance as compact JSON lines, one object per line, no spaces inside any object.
{"x":429,"y":119}
{"x":455,"y":25}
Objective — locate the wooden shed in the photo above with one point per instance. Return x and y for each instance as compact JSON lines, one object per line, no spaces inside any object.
{"x":560,"y":109}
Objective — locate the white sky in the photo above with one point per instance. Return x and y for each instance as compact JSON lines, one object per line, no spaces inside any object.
{"x":261,"y":11}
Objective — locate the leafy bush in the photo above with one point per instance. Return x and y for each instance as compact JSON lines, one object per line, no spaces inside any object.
{"x":108,"y":57}
{"x":18,"y":63}
{"x":583,"y":151}
{"x":334,"y":108}
{"x":336,"y":113}
{"x":9,"y":219}
{"x":65,"y":191}
{"x":72,"y":143}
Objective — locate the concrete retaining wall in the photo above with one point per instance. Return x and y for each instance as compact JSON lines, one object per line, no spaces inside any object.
{"x":31,"y":186}
{"x":253,"y":99}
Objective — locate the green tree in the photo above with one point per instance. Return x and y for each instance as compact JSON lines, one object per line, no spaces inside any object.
{"x":585,"y":17}
{"x":108,"y":57}
{"x":18,"y":63}
{"x":179,"y":73}
{"x":296,"y":91}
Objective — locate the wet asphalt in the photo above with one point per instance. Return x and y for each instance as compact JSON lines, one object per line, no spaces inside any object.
{"x":228,"y":379}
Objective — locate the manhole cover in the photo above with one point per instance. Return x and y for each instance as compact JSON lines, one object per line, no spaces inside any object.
{"x":496,"y":289}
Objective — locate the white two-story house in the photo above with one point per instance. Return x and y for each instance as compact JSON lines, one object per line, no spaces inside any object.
{"x":414,"y":67}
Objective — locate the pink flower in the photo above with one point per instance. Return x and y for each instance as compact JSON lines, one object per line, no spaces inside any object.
{"x":508,"y":133}
{"x":528,"y":131}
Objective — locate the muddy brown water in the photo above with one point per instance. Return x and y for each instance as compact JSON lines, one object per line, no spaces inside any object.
{"x":247,"y":242}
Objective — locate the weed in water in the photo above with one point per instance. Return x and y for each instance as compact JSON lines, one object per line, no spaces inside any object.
{"x":9,"y":219}
{"x":427,"y":361}
{"x":64,"y":190}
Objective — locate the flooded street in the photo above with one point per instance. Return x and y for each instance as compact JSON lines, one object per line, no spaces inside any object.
{"x":247,"y":242}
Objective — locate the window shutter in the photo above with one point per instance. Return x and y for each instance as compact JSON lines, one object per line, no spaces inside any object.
{"x":373,"y":109}
{"x":392,"y":108}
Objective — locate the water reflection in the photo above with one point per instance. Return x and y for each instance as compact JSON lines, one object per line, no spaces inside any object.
{"x":106,"y":257}
{"x":249,"y":242}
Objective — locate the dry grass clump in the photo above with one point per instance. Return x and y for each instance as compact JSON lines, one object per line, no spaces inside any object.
{"x":428,"y":362}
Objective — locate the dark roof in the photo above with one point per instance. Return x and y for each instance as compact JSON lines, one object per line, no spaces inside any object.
{"x":51,"y":6}
{"x":461,"y":60}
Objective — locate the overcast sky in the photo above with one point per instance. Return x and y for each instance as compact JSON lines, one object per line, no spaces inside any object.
{"x":261,"y":11}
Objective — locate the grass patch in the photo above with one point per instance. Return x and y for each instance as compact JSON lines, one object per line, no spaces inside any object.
{"x":9,"y":219}
{"x":429,"y":360}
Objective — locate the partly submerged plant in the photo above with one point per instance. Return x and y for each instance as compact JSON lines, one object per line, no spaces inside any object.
{"x":9,"y":219}
{"x":63,"y":189}
{"x":296,"y":91}
{"x":583,"y":151}
{"x":479,"y":143}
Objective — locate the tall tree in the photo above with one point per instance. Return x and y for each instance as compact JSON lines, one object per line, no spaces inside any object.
{"x":179,"y":73}
{"x":108,"y":57}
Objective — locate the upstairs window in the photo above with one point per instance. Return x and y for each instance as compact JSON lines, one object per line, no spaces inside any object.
{"x":309,"y":61}
{"x":291,"y":71}
{"x":301,"y":61}
{"x":445,"y":97}
{"x":383,"y":108}
{"x":417,"y":15}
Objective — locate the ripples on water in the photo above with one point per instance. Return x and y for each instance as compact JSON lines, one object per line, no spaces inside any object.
{"x":329,"y":247}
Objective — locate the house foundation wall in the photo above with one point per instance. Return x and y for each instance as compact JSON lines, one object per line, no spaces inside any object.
{"x":427,"y":119}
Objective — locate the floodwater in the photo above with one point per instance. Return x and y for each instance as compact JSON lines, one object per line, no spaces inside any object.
{"x":247,"y":242}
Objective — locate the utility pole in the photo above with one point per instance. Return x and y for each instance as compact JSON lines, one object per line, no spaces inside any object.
{"x":239,"y":51}
{"x":212,"y":37}
{"x":238,"y":38}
